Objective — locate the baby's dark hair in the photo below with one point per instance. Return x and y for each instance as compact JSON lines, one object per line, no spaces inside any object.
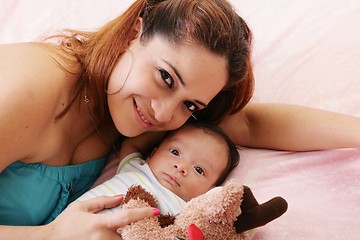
{"x":233,"y":154}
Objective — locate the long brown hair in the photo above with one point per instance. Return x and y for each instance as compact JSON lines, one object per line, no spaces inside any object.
{"x":213,"y":24}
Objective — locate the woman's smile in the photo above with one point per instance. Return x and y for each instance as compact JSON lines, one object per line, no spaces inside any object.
{"x":141,"y":117}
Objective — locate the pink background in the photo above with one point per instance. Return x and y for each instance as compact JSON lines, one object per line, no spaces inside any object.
{"x":305,"y":52}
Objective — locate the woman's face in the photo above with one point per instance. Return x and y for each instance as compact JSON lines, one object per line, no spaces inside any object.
{"x":166,"y":83}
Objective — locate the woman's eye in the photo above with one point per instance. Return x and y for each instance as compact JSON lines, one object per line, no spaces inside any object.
{"x":191,"y":106}
{"x":166,"y":77}
{"x":174,"y":152}
{"x":199,"y":170}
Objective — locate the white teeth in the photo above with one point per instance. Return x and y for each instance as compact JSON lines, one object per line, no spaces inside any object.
{"x":142,"y":117}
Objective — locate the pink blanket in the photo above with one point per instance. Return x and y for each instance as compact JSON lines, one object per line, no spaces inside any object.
{"x":305,"y":52}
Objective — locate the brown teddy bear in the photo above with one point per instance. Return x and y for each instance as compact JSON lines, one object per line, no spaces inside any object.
{"x":214,"y":215}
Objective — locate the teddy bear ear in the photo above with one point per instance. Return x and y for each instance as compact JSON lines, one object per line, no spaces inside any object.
{"x":255,"y":215}
{"x":222,"y":203}
{"x":138,"y":192}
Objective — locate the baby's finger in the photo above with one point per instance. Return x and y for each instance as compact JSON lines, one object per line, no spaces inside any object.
{"x":127,"y":216}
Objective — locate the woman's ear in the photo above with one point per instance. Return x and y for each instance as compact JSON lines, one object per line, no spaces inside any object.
{"x":137,"y":30}
{"x":138,"y":27}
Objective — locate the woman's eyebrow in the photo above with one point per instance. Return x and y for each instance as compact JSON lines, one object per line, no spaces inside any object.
{"x":201,"y":103}
{"x":181,"y":80}
{"x":175,"y":70}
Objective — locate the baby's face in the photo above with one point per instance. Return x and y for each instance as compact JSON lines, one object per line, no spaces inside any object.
{"x":189,"y":162}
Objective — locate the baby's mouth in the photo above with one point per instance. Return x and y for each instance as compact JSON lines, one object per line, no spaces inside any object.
{"x":173,"y":179}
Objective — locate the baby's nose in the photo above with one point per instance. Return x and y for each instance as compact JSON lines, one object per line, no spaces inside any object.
{"x":181,"y":168}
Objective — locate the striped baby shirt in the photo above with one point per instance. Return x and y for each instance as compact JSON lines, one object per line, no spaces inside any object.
{"x":133,"y":170}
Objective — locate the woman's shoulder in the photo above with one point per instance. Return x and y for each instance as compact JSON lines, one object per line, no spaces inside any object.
{"x":23,"y":63}
{"x":31,"y":88}
{"x":29,"y":75}
{"x":29,"y":59}
{"x":33,"y":69}
{"x":22,"y":52}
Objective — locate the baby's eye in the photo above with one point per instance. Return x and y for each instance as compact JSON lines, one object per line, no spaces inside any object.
{"x":166,"y":77}
{"x":192,"y":107}
{"x":199,"y":170}
{"x":174,"y":152}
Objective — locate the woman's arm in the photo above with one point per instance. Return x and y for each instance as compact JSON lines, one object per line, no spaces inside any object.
{"x":81,"y":222}
{"x":291,"y":127}
{"x":20,"y":232}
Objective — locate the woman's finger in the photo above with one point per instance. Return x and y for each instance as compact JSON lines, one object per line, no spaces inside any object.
{"x":99,"y":203}
{"x":127,"y":216}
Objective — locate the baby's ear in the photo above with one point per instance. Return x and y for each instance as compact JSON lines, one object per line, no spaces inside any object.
{"x":152,"y":152}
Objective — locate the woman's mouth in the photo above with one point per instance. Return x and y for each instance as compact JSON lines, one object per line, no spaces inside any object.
{"x":140,"y":117}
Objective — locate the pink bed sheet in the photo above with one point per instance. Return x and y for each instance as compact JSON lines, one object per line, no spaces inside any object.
{"x":305,"y":52}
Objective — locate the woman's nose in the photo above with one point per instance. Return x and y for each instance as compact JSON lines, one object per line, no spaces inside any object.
{"x":180,"y":167}
{"x":164,"y":109}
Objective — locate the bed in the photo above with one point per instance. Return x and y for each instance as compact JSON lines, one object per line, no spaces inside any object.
{"x":306,"y":53}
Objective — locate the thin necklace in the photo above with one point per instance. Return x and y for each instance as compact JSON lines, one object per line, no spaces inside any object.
{"x":86,"y":100}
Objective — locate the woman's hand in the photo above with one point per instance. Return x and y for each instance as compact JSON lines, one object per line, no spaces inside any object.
{"x":79,"y":221}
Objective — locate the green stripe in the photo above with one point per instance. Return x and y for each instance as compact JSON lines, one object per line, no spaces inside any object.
{"x":137,"y":156}
{"x":177,"y":198}
{"x":143,"y":182}
{"x":110,"y":189}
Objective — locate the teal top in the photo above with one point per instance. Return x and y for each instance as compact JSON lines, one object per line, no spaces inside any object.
{"x":34,"y":194}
